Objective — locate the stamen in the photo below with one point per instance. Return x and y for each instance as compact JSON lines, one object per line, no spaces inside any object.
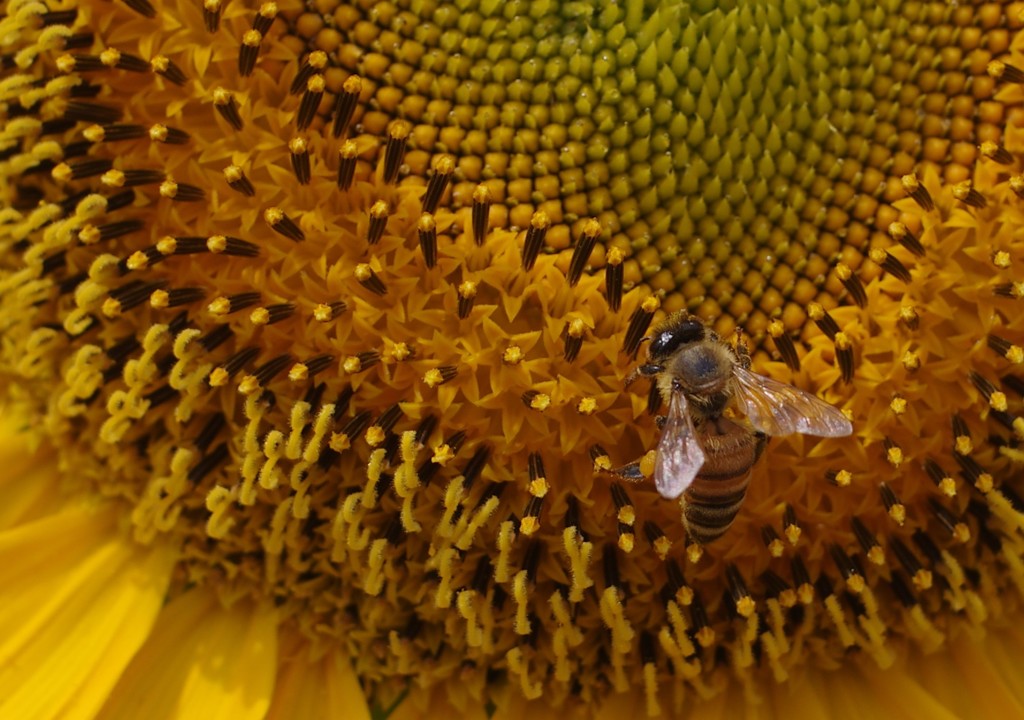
{"x":166,"y":68}
{"x":168,"y":135}
{"x":467,"y":295}
{"x":965,"y":193}
{"x":772,"y":541}
{"x":825,"y":322}
{"x":1013,"y":353}
{"x":300,"y":159}
{"x":996,"y":152}
{"x":379,"y":212}
{"x":394,"y":150}
{"x":639,"y":321}
{"x":626,"y":517}
{"x":995,"y":397}
{"x":142,"y":7}
{"x":535,"y":234}
{"x":271,"y":314}
{"x":223,"y":374}
{"x":310,"y":101}
{"x":790,"y":528}
{"x":264,"y":18}
{"x":427,"y":229}
{"x":233,"y":303}
{"x":582,"y":251}
{"x":480,"y":213}
{"x":890,"y":264}
{"x":366,"y":277}
{"x":131,"y":178}
{"x":852,"y":284}
{"x":315,"y":62}
{"x":129,"y":296}
{"x":896,"y":509}
{"x":78,"y":111}
{"x":347,"y":164}
{"x":1004,"y":72}
{"x":444,"y":167}
{"x":363,"y":361}
{"x":265,"y":373}
{"x":300,"y":372}
{"x":440,"y":375}
{"x":225,"y":104}
{"x":784,"y":344}
{"x":901,"y":234}
{"x":327,"y":313}
{"x":65,"y":172}
{"x":893,"y":452}
{"x":161,"y":299}
{"x":613,"y":278}
{"x":658,"y":540}
{"x":346,"y":105}
{"x":574,"y":330}
{"x":181,"y":192}
{"x":868,"y":542}
{"x":943,"y":481}
{"x":283,"y":225}
{"x":853,"y":576}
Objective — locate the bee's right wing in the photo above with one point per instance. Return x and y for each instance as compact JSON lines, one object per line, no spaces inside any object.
{"x":776,"y":408}
{"x":680,"y":456}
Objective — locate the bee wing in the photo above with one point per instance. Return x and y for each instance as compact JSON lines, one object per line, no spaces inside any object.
{"x":680,"y":455}
{"x":776,"y":408}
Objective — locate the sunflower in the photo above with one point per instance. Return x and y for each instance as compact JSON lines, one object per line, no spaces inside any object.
{"x":316,"y":321}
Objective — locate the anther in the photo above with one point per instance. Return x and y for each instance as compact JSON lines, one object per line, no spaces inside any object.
{"x":207,"y":464}
{"x":574,"y":331}
{"x":896,"y":509}
{"x":310,"y":101}
{"x":948,"y":520}
{"x":530,"y":522}
{"x":211,"y":14}
{"x":65,"y":172}
{"x":893,"y":452}
{"x":784,"y":344}
{"x":1013,"y":290}
{"x":387,"y":419}
{"x":772,"y":541}
{"x":868,"y":542}
{"x":1017,"y":185}
{"x":209,"y":432}
{"x":943,"y":481}
{"x":440,"y":375}
{"x":315,"y":62}
{"x":534,"y":241}
{"x":600,"y":458}
{"x":921,"y":578}
{"x":346,"y":104}
{"x":890,"y":264}
{"x":853,"y":576}
{"x":223,"y":374}
{"x":166,"y":68}
{"x":309,"y":369}
{"x":299,"y":150}
{"x":582,"y":251}
{"x":233,"y":303}
{"x":249,"y":51}
{"x":216,"y":337}
{"x":480,"y":213}
{"x":536,"y":400}
{"x":777,"y":588}
{"x":108,"y":133}
{"x":467,"y":295}
{"x":79,"y":111}
{"x":181,"y":192}
{"x":129,"y":296}
{"x":638,"y":324}
{"x":613,"y":278}
{"x":995,"y":397}
{"x":225,"y":103}
{"x":852,"y":284}
{"x":347,"y":155}
{"x":1004,"y":72}
{"x":927,"y":546}
{"x":283,"y":225}
{"x":475,"y":466}
{"x":825,"y":322}
{"x":131,"y":178}
{"x":168,"y":135}
{"x":790,"y":528}
{"x":237,"y":180}
{"x":965,"y":193}
{"x":264,"y":18}
{"x":995,"y":152}
{"x":839,"y":478}
{"x":379,"y":212}
{"x":802,"y":580}
{"x":844,"y":356}
{"x":394,"y":150}
{"x":901,"y":234}
{"x":174,"y":298}
{"x":975,"y":474}
{"x":363,"y":361}
{"x":658,"y":540}
{"x":909,"y":316}
{"x":327,"y":312}
{"x":1009,"y":351}
{"x":224,"y":245}
{"x":271,"y":314}
{"x":369,"y":279}
{"x":264,"y":374}
{"x":355,"y":427}
{"x":610,"y":566}
{"x":427,"y":229}
{"x":738,"y":592}
{"x":142,"y":7}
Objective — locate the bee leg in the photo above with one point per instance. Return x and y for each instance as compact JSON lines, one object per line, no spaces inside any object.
{"x":661,"y":420}
{"x":648,"y":370}
{"x":630,"y":472}
{"x":742,"y":352}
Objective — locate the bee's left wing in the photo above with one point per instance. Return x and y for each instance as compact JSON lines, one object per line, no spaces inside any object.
{"x":680,"y":456}
{"x":776,"y":408}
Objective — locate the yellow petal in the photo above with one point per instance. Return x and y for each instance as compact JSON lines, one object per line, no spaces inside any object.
{"x":29,"y":473}
{"x":202,"y":661}
{"x":78,"y":602}
{"x":325,"y":688}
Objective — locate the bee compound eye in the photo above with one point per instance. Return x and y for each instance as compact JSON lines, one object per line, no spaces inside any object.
{"x":668,"y":341}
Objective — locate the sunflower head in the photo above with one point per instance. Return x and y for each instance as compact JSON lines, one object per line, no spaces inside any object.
{"x":339,"y":302}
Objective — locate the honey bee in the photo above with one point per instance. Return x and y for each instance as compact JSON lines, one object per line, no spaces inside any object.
{"x":706,"y":452}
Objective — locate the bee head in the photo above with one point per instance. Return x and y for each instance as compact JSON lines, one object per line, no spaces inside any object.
{"x":670,"y":337}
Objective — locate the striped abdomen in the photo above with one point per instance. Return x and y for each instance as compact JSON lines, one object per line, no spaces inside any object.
{"x":711,"y":502}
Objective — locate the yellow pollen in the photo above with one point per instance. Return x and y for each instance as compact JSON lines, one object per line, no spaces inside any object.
{"x":539,"y":487}
{"x":647,"y":463}
{"x":844,"y":478}
{"x":110,"y":57}
{"x":898,"y":512}
{"x":1001,"y":259}
{"x":997,"y":401}
{"x":911,"y":361}
{"x":433,"y":377}
{"x":963,"y":445}
{"x":662,"y":546}
{"x":947,"y":486}
{"x":776,"y":548}
{"x":602,"y":462}
{"x":443,"y":454}
{"x":298,"y":372}
{"x":626,"y":542}
{"x":961,"y":533}
{"x":297,"y":146}
{"x":249,"y":385}
{"x":113,"y":178}
{"x":876,"y":556}
{"x":138,"y":260}
{"x":587,"y":406}
{"x":159,"y":299}
{"x":894,"y":456}
{"x":627,"y":515}
{"x":375,"y":435}
{"x":541,"y":402}
{"x":746,"y":606}
{"x":984,"y":483}
{"x":467,"y":289}
{"x":259,"y":316}
{"x":1015,"y":354}
{"x":400,"y":351}
{"x":898,"y":405}
{"x":166,"y":245}
{"x":650,"y":304}
{"x":513,"y":355}
{"x":61,"y":173}
{"x":694,"y":553}
{"x":922,"y":579}
{"x":352,"y":364}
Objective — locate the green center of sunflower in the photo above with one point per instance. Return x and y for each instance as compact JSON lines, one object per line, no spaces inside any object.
{"x":341,"y":304}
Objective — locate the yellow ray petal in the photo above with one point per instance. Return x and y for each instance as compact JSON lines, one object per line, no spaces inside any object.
{"x":321,"y":689}
{"x":202,"y":661}
{"x":29,"y":474}
{"x":78,"y":603}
